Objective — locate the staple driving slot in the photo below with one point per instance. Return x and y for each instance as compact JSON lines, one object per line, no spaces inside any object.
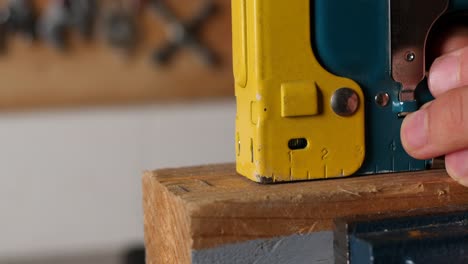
{"x":297,"y":143}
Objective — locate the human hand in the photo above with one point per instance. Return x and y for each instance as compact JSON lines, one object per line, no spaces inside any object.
{"x":441,"y":127}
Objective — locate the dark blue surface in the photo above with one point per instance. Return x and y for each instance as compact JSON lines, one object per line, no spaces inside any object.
{"x":458,"y":5}
{"x":419,"y":239}
{"x":351,"y":39}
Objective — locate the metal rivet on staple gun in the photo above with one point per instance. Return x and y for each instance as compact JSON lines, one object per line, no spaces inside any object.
{"x":345,"y":102}
{"x":410,"y":56}
{"x":183,"y":34}
{"x":382,"y":99}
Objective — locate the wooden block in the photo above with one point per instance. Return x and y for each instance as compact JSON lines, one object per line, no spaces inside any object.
{"x":209,"y":214}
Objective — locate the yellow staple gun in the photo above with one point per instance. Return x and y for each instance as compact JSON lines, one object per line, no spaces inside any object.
{"x":322,"y":86}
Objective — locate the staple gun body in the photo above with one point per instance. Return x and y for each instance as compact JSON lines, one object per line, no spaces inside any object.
{"x":322,"y":86}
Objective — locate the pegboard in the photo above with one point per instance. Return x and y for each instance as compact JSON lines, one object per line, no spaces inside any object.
{"x":88,"y":71}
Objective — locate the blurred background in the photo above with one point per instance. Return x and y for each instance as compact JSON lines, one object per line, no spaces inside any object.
{"x":92,"y":94}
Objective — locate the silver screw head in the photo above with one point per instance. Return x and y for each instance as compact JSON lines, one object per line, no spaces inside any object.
{"x":345,"y":102}
{"x":410,"y":56}
{"x":382,"y":99}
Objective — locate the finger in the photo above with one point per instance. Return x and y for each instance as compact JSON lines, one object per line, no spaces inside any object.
{"x":448,"y":39}
{"x":449,"y":71}
{"x":439,"y":128}
{"x":457,"y":166}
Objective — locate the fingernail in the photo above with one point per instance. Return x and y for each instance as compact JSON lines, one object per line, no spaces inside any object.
{"x":414,"y":130}
{"x":444,"y":74}
{"x":457,"y":166}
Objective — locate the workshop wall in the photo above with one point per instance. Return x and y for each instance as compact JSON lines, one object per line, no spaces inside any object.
{"x":92,"y":93}
{"x":70,"y":181}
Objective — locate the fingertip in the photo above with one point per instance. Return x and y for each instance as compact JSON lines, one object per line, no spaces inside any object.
{"x":403,"y":135}
{"x":444,"y":74}
{"x":457,"y":166}
{"x":414,"y":133}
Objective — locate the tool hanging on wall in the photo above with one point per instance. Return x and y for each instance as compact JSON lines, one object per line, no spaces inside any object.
{"x":119,"y":22}
{"x":120,"y":25}
{"x":21,"y":17}
{"x":105,"y":56}
{"x":83,"y":16}
{"x":3,"y":30}
{"x":63,"y":15}
{"x":183,"y":34}
{"x":17,"y":16}
{"x":54,"y":24}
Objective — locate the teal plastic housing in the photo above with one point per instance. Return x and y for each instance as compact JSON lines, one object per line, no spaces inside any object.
{"x":351,"y":39}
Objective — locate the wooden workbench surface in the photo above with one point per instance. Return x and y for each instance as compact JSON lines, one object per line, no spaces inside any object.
{"x":204,"y":207}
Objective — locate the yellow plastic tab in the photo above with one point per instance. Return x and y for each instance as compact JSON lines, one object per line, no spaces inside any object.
{"x":284,"y":94}
{"x":299,"y":99}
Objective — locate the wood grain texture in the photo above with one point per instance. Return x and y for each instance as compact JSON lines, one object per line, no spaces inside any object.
{"x":34,"y":75}
{"x":167,"y":229}
{"x":208,"y":206}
